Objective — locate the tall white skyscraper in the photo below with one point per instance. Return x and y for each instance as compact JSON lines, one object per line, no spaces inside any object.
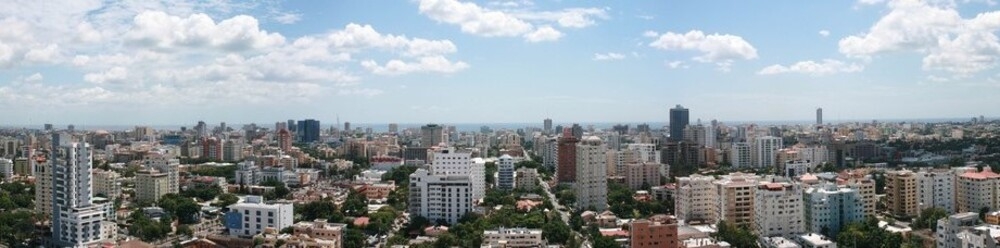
{"x":740,"y":155}
{"x":765,"y":151}
{"x":440,"y":197}
{"x":591,"y":174}
{"x":76,"y":220}
{"x":778,"y":209}
{"x":505,"y":172}
{"x":451,"y":162}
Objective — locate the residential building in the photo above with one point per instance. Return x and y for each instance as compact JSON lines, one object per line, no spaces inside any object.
{"x":794,"y":168}
{"x":936,"y":189}
{"x":695,"y":201}
{"x":107,"y":184}
{"x":660,"y":231}
{"x":150,"y":185}
{"x":547,"y":125}
{"x":765,"y":151}
{"x":591,"y":174}
{"x":978,"y":191}
{"x":828,"y":208}
{"x":232,"y":150}
{"x":815,"y":240}
{"x":211,"y":148}
{"x":440,"y":197}
{"x":513,"y":238}
{"x":781,"y":203}
{"x":431,"y":135}
{"x":450,"y":161}
{"x":526,"y":178}
{"x":252,"y":215}
{"x":7,"y":169}
{"x":643,"y":173}
{"x":864,"y":184}
{"x":169,"y":165}
{"x":320,"y":229}
{"x":284,"y":140}
{"x":43,"y":189}
{"x":901,"y":193}
{"x":566,"y":157}
{"x":735,"y":202}
{"x":77,"y":221}
{"x":505,"y":173}
{"x":948,"y":230}
{"x":740,"y":155}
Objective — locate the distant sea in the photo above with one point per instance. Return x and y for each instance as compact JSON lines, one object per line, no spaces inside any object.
{"x":471,"y":127}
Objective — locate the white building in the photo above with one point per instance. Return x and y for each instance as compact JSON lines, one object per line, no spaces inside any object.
{"x":765,"y":151}
{"x":828,"y":208}
{"x":76,"y":220}
{"x":978,"y":190}
{"x":440,"y":197}
{"x":936,"y":189}
{"x":645,"y":152}
{"x":778,"y":208}
{"x":7,"y":169}
{"x":591,"y":174}
{"x":107,"y":183}
{"x":512,"y":237}
{"x":169,"y":165}
{"x":740,"y":155}
{"x":251,"y":216}
{"x":814,"y":154}
{"x":505,"y":173}
{"x":695,"y":200}
{"x":247,"y":173}
{"x":451,"y":162}
{"x":948,"y":229}
{"x":815,"y":240}
{"x":795,"y":168}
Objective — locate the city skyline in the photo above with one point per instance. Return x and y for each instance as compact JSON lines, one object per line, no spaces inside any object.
{"x":171,"y":62}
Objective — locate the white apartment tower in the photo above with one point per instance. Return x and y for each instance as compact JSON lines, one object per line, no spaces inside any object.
{"x":765,"y":151}
{"x":591,"y":174}
{"x":440,"y":197}
{"x":449,"y":161}
{"x":695,"y":200}
{"x":829,"y":207}
{"x":740,"y":155}
{"x":936,"y":189}
{"x":779,"y":209}
{"x":505,"y":173}
{"x":76,"y":220}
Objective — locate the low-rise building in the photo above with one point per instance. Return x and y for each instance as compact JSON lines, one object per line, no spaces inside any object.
{"x":526,"y":179}
{"x":658,"y":231}
{"x":815,"y":240}
{"x":513,"y":237}
{"x":948,"y":229}
{"x":252,"y":215}
{"x":320,"y":229}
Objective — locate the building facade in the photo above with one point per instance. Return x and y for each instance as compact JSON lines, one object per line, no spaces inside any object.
{"x":735,"y":203}
{"x":901,"y":193}
{"x":779,"y":209}
{"x":978,"y":191}
{"x":513,"y":238}
{"x":829,"y":207}
{"x":440,"y":197}
{"x":695,"y":200}
{"x":505,"y":173}
{"x":660,"y":231}
{"x":591,"y":174}
{"x":251,"y":216}
{"x":936,"y":189}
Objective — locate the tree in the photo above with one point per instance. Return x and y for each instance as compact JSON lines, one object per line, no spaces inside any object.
{"x":280,"y":191}
{"x":184,"y":209}
{"x":319,"y":210}
{"x":185,"y":230}
{"x":867,"y":234}
{"x":227,"y":199}
{"x":354,"y":238}
{"x":202,"y":192}
{"x":928,"y":218}
{"x":355,"y":205}
{"x":556,"y":231}
{"x":18,"y":227}
{"x":738,"y":236}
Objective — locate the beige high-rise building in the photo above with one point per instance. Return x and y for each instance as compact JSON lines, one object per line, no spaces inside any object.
{"x":591,"y":174}
{"x":107,"y":183}
{"x":978,"y":190}
{"x":639,"y":174}
{"x":901,"y":193}
{"x":736,"y":198}
{"x":861,"y":181}
{"x":43,"y":190}
{"x":151,"y":184}
{"x":695,"y":200}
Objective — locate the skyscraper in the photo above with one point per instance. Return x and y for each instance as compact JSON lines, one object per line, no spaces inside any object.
{"x":548,"y":125}
{"x":566,"y":157}
{"x":393,"y":127}
{"x":76,"y":220}
{"x":308,"y":130}
{"x":678,"y":121}
{"x":765,"y":151}
{"x":431,"y":135}
{"x":591,"y":174}
{"x":284,"y":139}
{"x":505,"y":173}
{"x":819,"y":116}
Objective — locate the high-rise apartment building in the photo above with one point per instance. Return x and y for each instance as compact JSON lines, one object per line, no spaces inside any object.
{"x":505,"y":172}
{"x":643,"y":173}
{"x":901,"y":193}
{"x":695,"y":200}
{"x":77,"y":221}
{"x":828,"y":208}
{"x":431,"y":135}
{"x":440,"y":197}
{"x":591,"y":174}
{"x":678,"y":121}
{"x":7,"y":169}
{"x":393,"y":128}
{"x":778,"y":209}
{"x":735,"y":202}
{"x":232,"y":150}
{"x":526,"y":178}
{"x":863,"y":183}
{"x":168,"y":165}
{"x":819,"y":116}
{"x":660,"y":231}
{"x":936,"y":189}
{"x":150,"y":185}
{"x":211,"y":148}
{"x":452,"y":162}
{"x":765,"y":149}
{"x":740,"y":155}
{"x":566,"y":157}
{"x":308,"y":130}
{"x":547,"y":124}
{"x":107,"y":184}
{"x":977,"y":191}
{"x":284,"y":140}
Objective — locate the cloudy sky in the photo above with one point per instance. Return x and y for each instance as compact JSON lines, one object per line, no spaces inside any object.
{"x":92,"y":62}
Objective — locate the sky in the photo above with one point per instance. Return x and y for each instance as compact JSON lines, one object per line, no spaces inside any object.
{"x":91,"y":62}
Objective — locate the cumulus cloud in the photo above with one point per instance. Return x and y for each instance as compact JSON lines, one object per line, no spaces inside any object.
{"x":824,"y":33}
{"x":545,"y":33}
{"x":533,"y":26}
{"x":160,"y":30}
{"x":813,"y":68}
{"x":287,"y":17}
{"x":650,"y":34}
{"x":721,"y":49}
{"x":608,"y":56}
{"x":948,"y":41}
{"x":112,"y":76}
{"x":425,"y":64}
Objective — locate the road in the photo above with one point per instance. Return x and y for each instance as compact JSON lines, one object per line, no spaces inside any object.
{"x":563,"y":214}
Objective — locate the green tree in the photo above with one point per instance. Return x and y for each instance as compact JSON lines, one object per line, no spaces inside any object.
{"x":184,"y":209}
{"x":18,"y":227}
{"x":928,"y":218}
{"x":202,"y":191}
{"x":227,"y":199}
{"x":867,"y":234}
{"x":354,"y":238}
{"x":355,"y":205}
{"x":738,"y":236}
{"x":323,"y":209}
{"x":280,"y":191}
{"x":556,"y":231}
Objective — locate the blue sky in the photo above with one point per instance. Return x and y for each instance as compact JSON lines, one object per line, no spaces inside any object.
{"x":174,"y":62}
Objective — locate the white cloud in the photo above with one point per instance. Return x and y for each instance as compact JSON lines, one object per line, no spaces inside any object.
{"x":34,"y":77}
{"x":533,"y":26}
{"x":287,"y":17}
{"x":677,"y":64}
{"x":113,"y":76}
{"x":360,"y":92}
{"x":720,"y":49}
{"x":948,"y":42}
{"x":355,"y":37}
{"x":813,"y":68}
{"x":545,"y":33}
{"x":645,"y":17}
{"x":608,"y":56}
{"x":156,"y":29}
{"x":650,"y":34}
{"x":824,"y":33}
{"x":426,"y":64}
{"x":870,"y":2}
